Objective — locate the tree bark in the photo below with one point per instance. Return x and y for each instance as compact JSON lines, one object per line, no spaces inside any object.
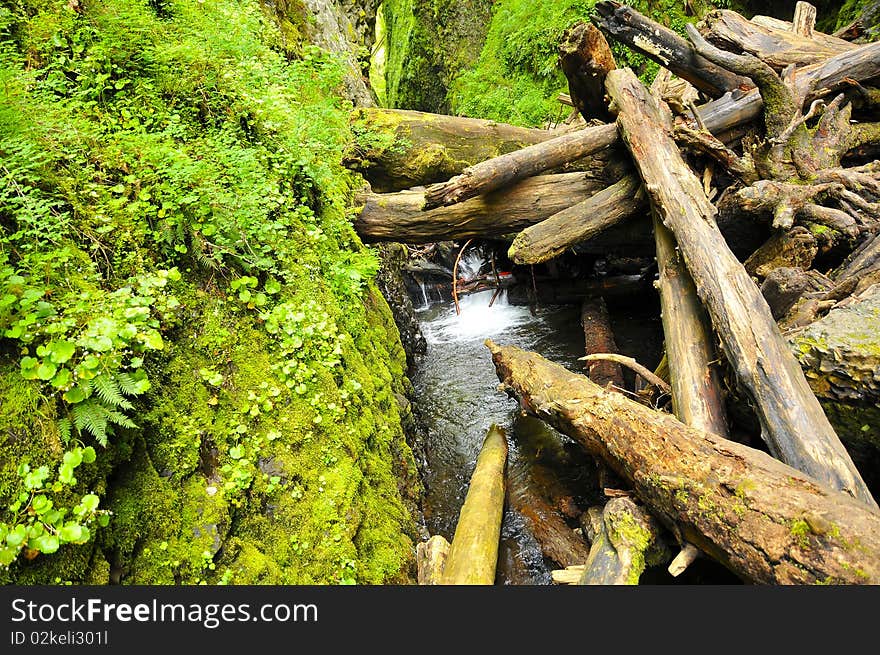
{"x":793,"y":423}
{"x":599,"y":338}
{"x":764,"y":520}
{"x":697,"y":399}
{"x":665,"y":47}
{"x":399,"y":216}
{"x":581,"y":222}
{"x":473,"y":555}
{"x":779,"y":48}
{"x":585,"y":58}
{"x":504,"y":170}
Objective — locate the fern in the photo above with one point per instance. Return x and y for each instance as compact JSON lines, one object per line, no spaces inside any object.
{"x":65,"y":429}
{"x":108,"y":391}
{"x":90,"y":416}
{"x":127,"y":384}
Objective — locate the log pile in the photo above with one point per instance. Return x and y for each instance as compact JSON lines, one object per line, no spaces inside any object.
{"x":781,"y":146}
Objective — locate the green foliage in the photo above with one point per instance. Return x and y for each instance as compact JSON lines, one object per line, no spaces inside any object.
{"x":39,"y":523}
{"x":188,"y":145}
{"x":517,"y":78}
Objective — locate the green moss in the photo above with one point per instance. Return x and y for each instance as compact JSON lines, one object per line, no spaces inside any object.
{"x":214,"y":152}
{"x":625,"y":530}
{"x":801,"y":531}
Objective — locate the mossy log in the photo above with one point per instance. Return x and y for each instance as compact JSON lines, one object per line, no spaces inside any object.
{"x":396,"y":149}
{"x":764,"y":520}
{"x":431,"y":559}
{"x":558,"y":542}
{"x":399,"y":216}
{"x":473,"y":555}
{"x":779,"y":48}
{"x":581,"y":222}
{"x":793,"y":424}
{"x":624,"y":539}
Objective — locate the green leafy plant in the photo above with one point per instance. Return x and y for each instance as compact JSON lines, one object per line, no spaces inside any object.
{"x":39,"y":523}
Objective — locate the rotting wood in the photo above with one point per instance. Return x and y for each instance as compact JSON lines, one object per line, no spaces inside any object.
{"x":557,"y":540}
{"x":473,"y":554}
{"x":763,"y":519}
{"x":624,"y":539}
{"x":697,"y":397}
{"x":431,"y":559}
{"x":580,"y":222}
{"x":779,"y":48}
{"x":664,"y":46}
{"x":793,"y":423}
{"x":586,"y":58}
{"x":718,"y":117}
{"x":599,"y":338}
{"x":399,"y":216}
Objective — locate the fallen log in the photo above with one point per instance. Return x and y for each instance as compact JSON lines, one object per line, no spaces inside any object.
{"x":860,"y":271}
{"x":431,"y":559}
{"x":396,"y":149}
{"x":697,"y":398}
{"x":624,"y":540}
{"x":784,"y":286}
{"x":670,"y":50}
{"x":779,"y":48}
{"x":793,"y":424}
{"x":399,"y":216}
{"x":718,"y":117}
{"x":573,"y":292}
{"x":581,"y":222}
{"x":795,"y":248}
{"x":764,"y":520}
{"x":586,"y":58}
{"x":599,"y":338}
{"x":557,"y":540}
{"x":473,"y":555}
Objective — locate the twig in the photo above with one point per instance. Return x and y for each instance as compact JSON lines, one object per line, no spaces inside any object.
{"x":632,"y":364}
{"x":455,"y":276}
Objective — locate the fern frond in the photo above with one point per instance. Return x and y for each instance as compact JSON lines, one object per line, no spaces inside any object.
{"x":120,"y":419}
{"x":127,"y":384}
{"x":65,"y":430}
{"x":109,"y":393}
{"x":90,"y":416}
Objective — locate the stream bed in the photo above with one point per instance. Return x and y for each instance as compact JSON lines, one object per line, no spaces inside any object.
{"x":457,"y":401}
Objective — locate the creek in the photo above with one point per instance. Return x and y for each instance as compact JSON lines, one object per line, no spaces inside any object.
{"x":457,"y":400}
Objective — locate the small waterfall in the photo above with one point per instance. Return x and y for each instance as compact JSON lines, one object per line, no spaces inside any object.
{"x":477,"y":320}
{"x":424,"y":295}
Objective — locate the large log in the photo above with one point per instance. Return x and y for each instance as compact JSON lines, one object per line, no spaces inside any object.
{"x":399,"y":216}
{"x":558,"y":542}
{"x":666,"y":47}
{"x":764,"y":520}
{"x":581,"y":222}
{"x":719,"y":117}
{"x":793,"y":423}
{"x":473,"y":555}
{"x":697,"y":398}
{"x":779,"y":48}
{"x":431,"y":559}
{"x":396,"y":149}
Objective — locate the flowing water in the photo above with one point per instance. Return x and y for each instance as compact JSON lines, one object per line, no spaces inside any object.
{"x":458,"y":400}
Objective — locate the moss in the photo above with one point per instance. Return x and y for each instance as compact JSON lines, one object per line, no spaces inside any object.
{"x":626,"y":532}
{"x":801,"y":531}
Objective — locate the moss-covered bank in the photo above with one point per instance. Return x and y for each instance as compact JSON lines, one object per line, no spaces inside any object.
{"x":182,"y":293}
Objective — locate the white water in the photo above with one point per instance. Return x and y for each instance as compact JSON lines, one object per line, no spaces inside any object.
{"x":477,"y":321}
